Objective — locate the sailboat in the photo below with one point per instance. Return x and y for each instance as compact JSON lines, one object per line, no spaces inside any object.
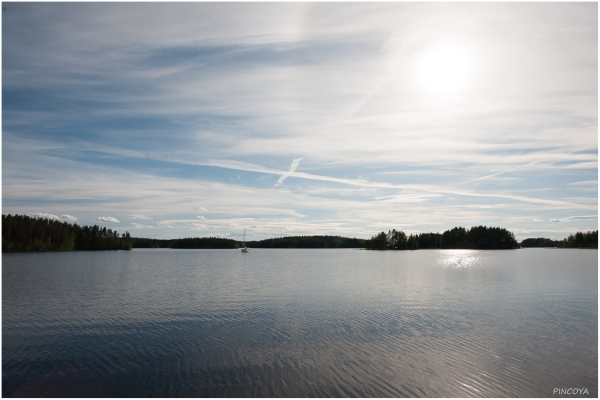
{"x":245,"y":249}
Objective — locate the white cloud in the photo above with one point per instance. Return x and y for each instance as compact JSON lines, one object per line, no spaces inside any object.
{"x":574,"y":218}
{"x":107,"y":219}
{"x":138,"y":216}
{"x":136,"y":225}
{"x":69,"y":217}
{"x":583,"y":217}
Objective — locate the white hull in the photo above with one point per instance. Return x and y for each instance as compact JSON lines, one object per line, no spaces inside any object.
{"x":245,"y":250}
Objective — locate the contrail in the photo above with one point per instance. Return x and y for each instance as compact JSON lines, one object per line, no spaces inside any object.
{"x":293,"y":167}
{"x":498,"y":173}
{"x":394,"y":57}
{"x":521,"y":166}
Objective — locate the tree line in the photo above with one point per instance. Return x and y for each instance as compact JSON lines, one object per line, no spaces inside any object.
{"x":578,"y":240}
{"x":187,"y":243}
{"x":478,"y":237}
{"x":24,"y":233}
{"x":539,"y":242}
{"x":290,"y":242}
{"x":308,"y":242}
{"x":146,"y":243}
{"x":204,"y":243}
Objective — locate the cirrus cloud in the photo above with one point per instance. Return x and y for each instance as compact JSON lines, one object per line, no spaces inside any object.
{"x":576,"y":217}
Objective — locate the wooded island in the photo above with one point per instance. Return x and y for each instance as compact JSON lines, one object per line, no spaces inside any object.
{"x":478,"y":237}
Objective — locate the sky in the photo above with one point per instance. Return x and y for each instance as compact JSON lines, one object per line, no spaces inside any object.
{"x":205,"y":119}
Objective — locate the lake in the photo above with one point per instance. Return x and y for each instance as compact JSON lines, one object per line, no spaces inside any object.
{"x":299,"y":322}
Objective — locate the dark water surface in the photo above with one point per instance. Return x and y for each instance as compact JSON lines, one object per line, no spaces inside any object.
{"x":295,"y":323}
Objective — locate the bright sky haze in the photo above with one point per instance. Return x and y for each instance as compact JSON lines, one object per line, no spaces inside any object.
{"x":173,"y":120}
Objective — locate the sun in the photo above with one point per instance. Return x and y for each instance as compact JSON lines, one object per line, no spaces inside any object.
{"x":444,"y":70}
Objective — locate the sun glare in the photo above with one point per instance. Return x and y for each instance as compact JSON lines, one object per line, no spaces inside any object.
{"x":444,"y":70}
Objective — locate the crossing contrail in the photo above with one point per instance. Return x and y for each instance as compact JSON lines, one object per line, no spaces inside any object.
{"x":293,"y":167}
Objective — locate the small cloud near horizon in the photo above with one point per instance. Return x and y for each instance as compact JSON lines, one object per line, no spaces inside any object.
{"x":69,"y":217}
{"x":137,"y":216}
{"x":577,"y":217}
{"x":107,"y":219}
{"x":136,"y":225}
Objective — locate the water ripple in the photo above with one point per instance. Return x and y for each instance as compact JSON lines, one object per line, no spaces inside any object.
{"x":335,"y":323}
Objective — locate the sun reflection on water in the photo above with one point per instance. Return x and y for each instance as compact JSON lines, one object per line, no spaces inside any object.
{"x":460,"y":259}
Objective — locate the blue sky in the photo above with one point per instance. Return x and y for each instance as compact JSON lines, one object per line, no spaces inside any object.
{"x":184,"y":120}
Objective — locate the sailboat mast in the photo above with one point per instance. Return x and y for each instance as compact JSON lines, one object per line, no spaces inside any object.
{"x":244,"y":248}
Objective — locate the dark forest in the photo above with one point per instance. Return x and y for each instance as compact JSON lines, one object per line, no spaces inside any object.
{"x":478,"y":237}
{"x":24,"y":233}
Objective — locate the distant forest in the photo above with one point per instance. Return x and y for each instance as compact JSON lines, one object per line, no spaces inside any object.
{"x":187,"y":243}
{"x":478,"y":237}
{"x":300,"y":242}
{"x":579,"y":240}
{"x":145,"y":243}
{"x":24,"y":233}
{"x":204,"y":243}
{"x":539,"y":242}
{"x":308,"y":242}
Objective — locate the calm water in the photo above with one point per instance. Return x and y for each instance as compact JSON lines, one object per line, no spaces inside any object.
{"x":294,"y":323}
